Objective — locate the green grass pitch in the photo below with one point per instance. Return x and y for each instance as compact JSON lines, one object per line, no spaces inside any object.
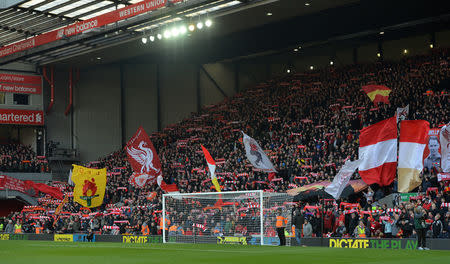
{"x":48,"y":252}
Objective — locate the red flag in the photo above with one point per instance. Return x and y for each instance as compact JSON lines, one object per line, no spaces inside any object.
{"x":378,"y":151}
{"x":271,"y":176}
{"x":168,"y":188}
{"x":54,"y":192}
{"x":143,"y":158}
{"x":377,"y":93}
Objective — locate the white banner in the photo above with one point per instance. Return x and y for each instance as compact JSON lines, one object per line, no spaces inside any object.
{"x":445,"y":144}
{"x":341,"y":179}
{"x":256,"y":155}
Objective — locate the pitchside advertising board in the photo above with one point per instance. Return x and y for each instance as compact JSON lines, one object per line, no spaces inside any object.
{"x":407,"y":243}
{"x":373,"y":243}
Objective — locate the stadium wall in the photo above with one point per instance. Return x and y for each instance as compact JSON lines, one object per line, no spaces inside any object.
{"x":97,"y":128}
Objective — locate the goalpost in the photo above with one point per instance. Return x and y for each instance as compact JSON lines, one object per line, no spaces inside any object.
{"x":241,"y":217}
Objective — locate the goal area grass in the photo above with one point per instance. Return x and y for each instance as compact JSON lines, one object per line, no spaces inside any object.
{"x":49,"y":252}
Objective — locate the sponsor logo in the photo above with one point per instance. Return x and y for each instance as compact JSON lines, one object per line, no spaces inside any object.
{"x":18,"y":237}
{"x":349,"y":243}
{"x":83,"y":26}
{"x":26,"y":117}
{"x":63,"y":238}
{"x":373,"y":243}
{"x":60,"y":33}
{"x":135,"y":239}
{"x":393,"y":244}
{"x":232,"y":240}
{"x":256,"y":240}
{"x":81,"y":238}
{"x":14,"y":88}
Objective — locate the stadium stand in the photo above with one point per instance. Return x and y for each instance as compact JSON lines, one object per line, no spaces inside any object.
{"x":308,"y":123}
{"x":20,"y":158}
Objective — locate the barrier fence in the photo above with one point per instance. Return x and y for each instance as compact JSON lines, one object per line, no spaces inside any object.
{"x":407,"y":243}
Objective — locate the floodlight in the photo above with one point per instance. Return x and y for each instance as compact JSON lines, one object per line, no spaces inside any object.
{"x":167,"y":34}
{"x":174,"y":32}
{"x":182,"y":30}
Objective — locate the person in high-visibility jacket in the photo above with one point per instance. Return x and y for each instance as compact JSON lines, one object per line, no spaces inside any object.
{"x":18,"y":228}
{"x":145,"y":230}
{"x":281,"y":224}
{"x":167,"y":224}
{"x":360,"y":230}
{"x":166,"y":229}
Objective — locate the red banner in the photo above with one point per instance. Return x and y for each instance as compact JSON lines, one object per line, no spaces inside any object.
{"x":143,"y":159}
{"x":82,"y":26}
{"x":14,"y":78}
{"x":22,"y":186}
{"x":12,"y":184}
{"x":21,"y":117}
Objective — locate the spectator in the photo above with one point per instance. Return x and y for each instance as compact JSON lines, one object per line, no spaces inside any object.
{"x":340,"y":230}
{"x":437,"y":226}
{"x":307,"y":229}
{"x":420,"y":227}
{"x":298,"y":222}
{"x":9,"y":227}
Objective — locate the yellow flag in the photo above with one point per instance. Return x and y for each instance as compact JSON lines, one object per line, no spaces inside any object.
{"x":90,"y":186}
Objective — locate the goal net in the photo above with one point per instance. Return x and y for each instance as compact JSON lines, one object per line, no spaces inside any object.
{"x":242,"y":217}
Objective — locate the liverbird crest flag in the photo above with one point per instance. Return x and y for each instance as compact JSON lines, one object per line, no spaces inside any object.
{"x":402,"y":113}
{"x":256,"y":155}
{"x":143,"y":159}
{"x":90,"y":186}
{"x":342,"y":179}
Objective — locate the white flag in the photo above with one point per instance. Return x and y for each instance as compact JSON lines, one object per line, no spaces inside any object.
{"x":71,"y":183}
{"x":445,"y":151}
{"x":402,"y":113}
{"x":256,"y":155}
{"x":341,"y":179}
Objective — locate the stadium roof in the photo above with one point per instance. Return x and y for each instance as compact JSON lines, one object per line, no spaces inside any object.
{"x":236,"y":23}
{"x":31,"y":18}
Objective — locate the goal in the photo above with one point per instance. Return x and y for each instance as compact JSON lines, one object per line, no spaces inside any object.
{"x":242,"y":217}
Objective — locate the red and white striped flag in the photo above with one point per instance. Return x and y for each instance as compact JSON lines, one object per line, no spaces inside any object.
{"x":378,"y":151}
{"x":211,"y":167}
{"x":413,"y":138}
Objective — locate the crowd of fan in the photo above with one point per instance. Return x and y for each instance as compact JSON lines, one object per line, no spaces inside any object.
{"x":20,"y":158}
{"x":308,"y":123}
